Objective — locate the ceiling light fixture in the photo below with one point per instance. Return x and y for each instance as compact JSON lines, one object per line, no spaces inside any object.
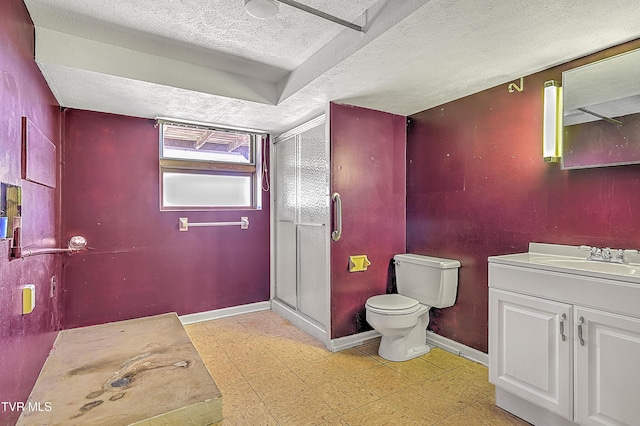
{"x":261,"y":9}
{"x":266,"y":9}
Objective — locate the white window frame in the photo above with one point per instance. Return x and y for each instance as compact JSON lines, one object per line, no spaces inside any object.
{"x":253,"y":168}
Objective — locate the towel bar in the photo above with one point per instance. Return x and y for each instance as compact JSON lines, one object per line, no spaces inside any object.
{"x":184,"y":223}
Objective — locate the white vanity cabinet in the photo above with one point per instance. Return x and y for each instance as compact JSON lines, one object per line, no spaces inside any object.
{"x":528,"y":355}
{"x":564,"y":347}
{"x":607,"y":365}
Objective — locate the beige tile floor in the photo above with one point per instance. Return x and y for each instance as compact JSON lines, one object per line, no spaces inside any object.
{"x":271,"y":373}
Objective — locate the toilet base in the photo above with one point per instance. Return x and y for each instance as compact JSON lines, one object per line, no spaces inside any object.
{"x":390,"y":351}
{"x":404,"y":348}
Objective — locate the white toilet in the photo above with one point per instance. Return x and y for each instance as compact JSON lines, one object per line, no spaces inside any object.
{"x":423,"y":282}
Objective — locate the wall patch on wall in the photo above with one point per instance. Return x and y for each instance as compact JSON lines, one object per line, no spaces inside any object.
{"x":38,"y":155}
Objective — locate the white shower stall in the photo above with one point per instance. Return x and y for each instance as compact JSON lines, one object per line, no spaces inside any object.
{"x":337,"y":194}
{"x":301,"y":227}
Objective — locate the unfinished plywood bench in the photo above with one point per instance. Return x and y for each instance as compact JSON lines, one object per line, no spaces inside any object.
{"x":144,"y":371}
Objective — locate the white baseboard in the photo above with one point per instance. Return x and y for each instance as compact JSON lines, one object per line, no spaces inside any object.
{"x":452,"y":346}
{"x":318,"y":332}
{"x":342,"y":343}
{"x":334,"y":345}
{"x":433,"y":339}
{"x":224,"y":312}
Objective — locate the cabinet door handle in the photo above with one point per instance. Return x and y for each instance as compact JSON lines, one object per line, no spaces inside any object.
{"x":562,"y":336}
{"x":580,"y":322}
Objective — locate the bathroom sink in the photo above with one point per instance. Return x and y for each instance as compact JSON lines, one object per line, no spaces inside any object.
{"x":591,"y":265}
{"x":572,"y":260}
{"x":562,"y":273}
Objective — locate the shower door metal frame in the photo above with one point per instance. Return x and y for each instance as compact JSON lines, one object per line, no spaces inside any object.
{"x":293,"y":314}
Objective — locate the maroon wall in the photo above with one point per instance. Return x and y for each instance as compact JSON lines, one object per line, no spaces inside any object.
{"x":25,"y":341}
{"x":139,"y":264}
{"x":368,"y":170}
{"x":477,"y":187}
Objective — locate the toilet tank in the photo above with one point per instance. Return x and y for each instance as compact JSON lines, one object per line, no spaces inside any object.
{"x":430,"y":280}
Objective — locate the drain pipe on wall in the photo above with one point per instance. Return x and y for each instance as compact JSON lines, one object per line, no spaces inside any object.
{"x":76,"y":243}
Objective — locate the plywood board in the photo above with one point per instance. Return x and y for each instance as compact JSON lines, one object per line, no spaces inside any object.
{"x":142,"y":371}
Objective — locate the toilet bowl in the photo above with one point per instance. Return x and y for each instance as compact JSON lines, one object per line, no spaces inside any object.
{"x":403,"y":322}
{"x":402,"y":318}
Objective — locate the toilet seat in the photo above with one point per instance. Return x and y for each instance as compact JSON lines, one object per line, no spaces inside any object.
{"x":392,"y":304}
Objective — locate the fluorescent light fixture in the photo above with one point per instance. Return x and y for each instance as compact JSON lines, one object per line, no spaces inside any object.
{"x":552,"y":125}
{"x":261,"y":9}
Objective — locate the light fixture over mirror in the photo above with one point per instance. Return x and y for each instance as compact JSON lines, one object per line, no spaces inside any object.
{"x":261,"y":9}
{"x":552,"y":125}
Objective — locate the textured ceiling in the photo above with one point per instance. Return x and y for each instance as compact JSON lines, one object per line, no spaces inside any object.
{"x":207,"y":60}
{"x":218,"y":26}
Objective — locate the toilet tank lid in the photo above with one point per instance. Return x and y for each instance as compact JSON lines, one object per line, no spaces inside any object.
{"x":434,"y":262}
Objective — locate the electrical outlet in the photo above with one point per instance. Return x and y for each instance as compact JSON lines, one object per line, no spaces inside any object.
{"x":52,"y":291}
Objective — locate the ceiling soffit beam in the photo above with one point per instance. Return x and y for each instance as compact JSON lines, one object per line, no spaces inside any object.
{"x":380,"y":18}
{"x":322,"y":14}
{"x":69,"y":51}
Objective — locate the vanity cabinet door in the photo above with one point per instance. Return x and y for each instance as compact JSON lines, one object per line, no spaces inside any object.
{"x":530,"y":349}
{"x":607,"y":368}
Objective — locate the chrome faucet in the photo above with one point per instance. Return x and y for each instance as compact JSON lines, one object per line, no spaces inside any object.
{"x":605,"y":254}
{"x":595,"y":254}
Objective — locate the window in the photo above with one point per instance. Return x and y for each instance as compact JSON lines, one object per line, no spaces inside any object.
{"x":208,"y":168}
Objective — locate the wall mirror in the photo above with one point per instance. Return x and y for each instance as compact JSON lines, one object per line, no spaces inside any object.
{"x":601,"y":113}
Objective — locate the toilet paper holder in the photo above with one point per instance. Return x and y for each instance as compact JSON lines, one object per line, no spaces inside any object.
{"x":358,"y":263}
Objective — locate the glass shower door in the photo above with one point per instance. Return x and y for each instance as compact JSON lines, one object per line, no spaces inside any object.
{"x":312,"y":225}
{"x":302,"y":217}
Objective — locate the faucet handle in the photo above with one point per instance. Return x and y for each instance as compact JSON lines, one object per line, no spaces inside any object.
{"x":591,"y":250}
{"x":621,"y":256}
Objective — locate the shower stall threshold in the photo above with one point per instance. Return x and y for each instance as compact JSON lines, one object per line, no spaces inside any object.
{"x":303,"y":322}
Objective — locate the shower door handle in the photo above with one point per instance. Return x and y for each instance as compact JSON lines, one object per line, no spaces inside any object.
{"x":337,"y":216}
